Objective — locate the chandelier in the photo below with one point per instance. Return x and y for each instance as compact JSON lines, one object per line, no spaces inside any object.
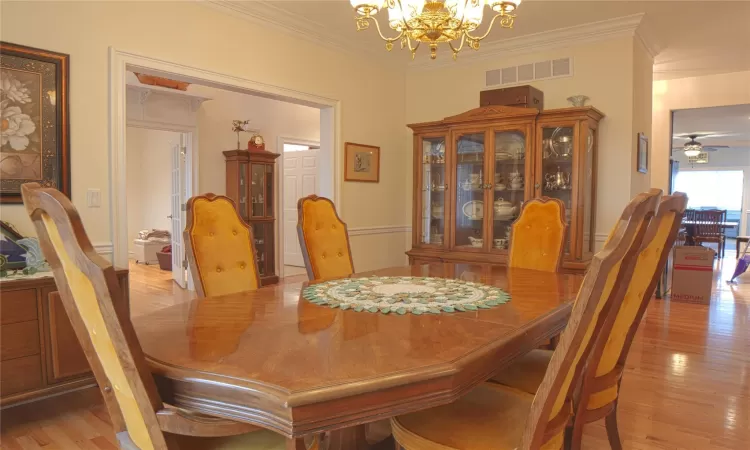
{"x":434,"y":21}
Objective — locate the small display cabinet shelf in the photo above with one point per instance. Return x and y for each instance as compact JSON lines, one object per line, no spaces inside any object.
{"x":474,"y":171}
{"x":251,"y":182}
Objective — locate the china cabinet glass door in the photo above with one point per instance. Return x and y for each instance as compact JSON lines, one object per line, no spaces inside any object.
{"x":559,"y":158}
{"x":470,"y":182}
{"x":509,"y":184}
{"x":434,"y":191}
{"x":588,"y":193}
{"x":242,"y":203}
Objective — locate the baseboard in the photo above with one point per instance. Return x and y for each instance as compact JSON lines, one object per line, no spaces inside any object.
{"x":104,"y":248}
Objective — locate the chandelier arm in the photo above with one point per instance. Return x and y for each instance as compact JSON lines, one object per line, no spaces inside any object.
{"x":506,"y":17}
{"x":387,"y":39}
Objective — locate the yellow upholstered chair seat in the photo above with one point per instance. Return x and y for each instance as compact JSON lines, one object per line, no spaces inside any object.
{"x":257,"y":440}
{"x":491,"y":416}
{"x":220,"y":247}
{"x":324,"y":239}
{"x":538,"y":235}
{"x":527,"y":372}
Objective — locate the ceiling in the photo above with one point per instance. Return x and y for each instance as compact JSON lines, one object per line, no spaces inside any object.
{"x":733,"y":122}
{"x":691,"y":37}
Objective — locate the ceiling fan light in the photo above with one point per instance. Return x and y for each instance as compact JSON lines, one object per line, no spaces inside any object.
{"x":692,"y":152}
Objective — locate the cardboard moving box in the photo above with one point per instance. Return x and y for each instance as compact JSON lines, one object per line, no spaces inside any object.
{"x":692,"y":274}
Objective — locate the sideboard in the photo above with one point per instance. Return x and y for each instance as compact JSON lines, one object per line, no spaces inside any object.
{"x":39,"y":351}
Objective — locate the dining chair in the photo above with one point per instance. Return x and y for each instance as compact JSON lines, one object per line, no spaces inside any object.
{"x":709,"y":228}
{"x":88,"y":285}
{"x":600,"y":383}
{"x":500,"y":417}
{"x":324,"y":239}
{"x":538,"y":235}
{"x":220,"y":247}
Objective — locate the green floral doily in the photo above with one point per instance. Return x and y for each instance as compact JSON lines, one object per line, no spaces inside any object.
{"x":401,"y":295}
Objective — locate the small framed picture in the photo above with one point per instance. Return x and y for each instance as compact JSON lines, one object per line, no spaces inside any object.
{"x":642,"y":153}
{"x":361,"y":162}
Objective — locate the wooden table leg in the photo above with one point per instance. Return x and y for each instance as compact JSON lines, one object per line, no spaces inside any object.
{"x":352,"y":438}
{"x":355,"y":438}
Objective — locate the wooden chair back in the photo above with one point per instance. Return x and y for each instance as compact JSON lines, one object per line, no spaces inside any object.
{"x":538,"y":236}
{"x":709,"y":223}
{"x":220,"y":247}
{"x":88,"y":285}
{"x":600,"y":382}
{"x":324,"y":239}
{"x":603,"y":288}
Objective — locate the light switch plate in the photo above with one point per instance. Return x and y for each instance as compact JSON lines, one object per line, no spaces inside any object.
{"x":94,"y":198}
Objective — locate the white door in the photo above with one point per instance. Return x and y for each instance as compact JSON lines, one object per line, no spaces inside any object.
{"x":300,"y":180}
{"x":178,"y":199}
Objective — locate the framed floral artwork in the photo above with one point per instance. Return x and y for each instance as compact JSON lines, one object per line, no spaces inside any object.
{"x":361,"y":162}
{"x":34,"y":132}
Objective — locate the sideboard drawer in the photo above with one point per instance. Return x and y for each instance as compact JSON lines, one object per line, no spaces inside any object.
{"x":18,"y":306}
{"x":19,"y":339}
{"x":20,"y":374}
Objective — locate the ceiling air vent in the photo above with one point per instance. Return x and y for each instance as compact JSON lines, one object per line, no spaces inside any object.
{"x":526,"y":73}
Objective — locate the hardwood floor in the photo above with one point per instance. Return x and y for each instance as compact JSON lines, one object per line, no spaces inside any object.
{"x":686,"y":386}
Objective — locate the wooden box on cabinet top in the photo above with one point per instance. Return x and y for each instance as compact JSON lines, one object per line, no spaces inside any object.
{"x":474,"y":171}
{"x":40,"y":354}
{"x":517,"y":96}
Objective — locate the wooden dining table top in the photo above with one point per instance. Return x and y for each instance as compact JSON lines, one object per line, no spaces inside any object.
{"x":271,"y":358}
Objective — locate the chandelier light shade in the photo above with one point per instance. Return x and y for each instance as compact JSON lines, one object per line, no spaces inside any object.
{"x":434,"y":22}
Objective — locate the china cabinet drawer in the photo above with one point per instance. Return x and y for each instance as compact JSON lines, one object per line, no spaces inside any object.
{"x":18,"y":306}
{"x":20,"y":375}
{"x":19,"y":339}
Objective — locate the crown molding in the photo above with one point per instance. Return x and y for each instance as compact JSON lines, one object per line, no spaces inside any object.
{"x":625,"y":26}
{"x":266,"y":14}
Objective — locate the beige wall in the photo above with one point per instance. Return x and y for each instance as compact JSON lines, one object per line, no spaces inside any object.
{"x":603,"y":71}
{"x":371,"y":96}
{"x":643,"y":81}
{"x":273,"y":118}
{"x":149,"y":154}
{"x":696,"y":92}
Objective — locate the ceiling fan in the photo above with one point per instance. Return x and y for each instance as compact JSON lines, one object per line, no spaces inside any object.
{"x":693,"y":148}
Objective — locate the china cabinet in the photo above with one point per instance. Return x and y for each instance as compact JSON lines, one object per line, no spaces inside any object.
{"x":251,"y":181}
{"x":474,"y":171}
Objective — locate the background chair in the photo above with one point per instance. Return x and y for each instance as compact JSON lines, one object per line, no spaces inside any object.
{"x":87,"y":284}
{"x":220,"y":247}
{"x":538,"y":235}
{"x":709,"y":228}
{"x":324,"y":239}
{"x":600,"y":384}
{"x":492,"y":415}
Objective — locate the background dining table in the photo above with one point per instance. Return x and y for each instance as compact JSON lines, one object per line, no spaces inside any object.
{"x":272,"y":358}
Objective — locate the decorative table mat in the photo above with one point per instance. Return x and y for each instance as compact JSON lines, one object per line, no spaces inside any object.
{"x":401,"y":295}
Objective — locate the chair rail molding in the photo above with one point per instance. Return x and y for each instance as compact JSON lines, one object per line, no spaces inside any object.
{"x":121,"y":61}
{"x":387,"y":229}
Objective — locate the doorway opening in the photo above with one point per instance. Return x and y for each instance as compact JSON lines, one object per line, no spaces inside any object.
{"x":210,"y":158}
{"x":711,"y":163}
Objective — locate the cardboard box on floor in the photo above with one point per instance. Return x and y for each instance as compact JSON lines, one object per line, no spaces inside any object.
{"x":692,"y":274}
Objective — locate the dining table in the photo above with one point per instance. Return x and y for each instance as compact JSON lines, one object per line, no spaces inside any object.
{"x":274,"y":359}
{"x":690,"y":229}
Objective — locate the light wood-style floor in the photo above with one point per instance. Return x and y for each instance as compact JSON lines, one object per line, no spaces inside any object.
{"x":686,"y":387}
